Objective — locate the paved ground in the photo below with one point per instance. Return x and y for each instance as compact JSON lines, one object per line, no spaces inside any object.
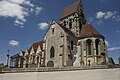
{"x":99,"y":74}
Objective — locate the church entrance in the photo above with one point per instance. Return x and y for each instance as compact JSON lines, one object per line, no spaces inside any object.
{"x":50,"y":64}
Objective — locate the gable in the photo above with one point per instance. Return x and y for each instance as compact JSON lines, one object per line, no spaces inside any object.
{"x":57,"y":30}
{"x":35,"y":45}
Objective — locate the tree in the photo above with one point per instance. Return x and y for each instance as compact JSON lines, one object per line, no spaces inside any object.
{"x":1,"y":65}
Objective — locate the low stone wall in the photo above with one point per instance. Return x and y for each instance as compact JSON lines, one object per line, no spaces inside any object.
{"x":47,"y":69}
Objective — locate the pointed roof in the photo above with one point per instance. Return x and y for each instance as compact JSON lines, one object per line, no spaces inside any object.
{"x":70,"y":9}
{"x":35,"y":45}
{"x":23,"y":53}
{"x":88,"y":31}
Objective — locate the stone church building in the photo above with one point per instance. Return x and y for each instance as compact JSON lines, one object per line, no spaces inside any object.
{"x":70,"y":42}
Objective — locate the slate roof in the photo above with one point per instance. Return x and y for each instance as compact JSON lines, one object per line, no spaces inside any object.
{"x":35,"y":45}
{"x":70,"y":9}
{"x":88,"y":31}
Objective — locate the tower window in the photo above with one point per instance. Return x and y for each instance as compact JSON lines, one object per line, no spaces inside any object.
{"x":72,"y":45}
{"x":52,"y":30}
{"x":70,"y":23}
{"x":52,"y":52}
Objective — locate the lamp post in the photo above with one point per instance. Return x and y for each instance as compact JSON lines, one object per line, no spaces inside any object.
{"x":7,"y":58}
{"x":119,"y":60}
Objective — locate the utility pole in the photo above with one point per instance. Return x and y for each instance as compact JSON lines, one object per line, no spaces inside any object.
{"x":7,"y":58}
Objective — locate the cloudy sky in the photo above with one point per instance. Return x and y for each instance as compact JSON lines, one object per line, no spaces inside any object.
{"x":23,"y":22}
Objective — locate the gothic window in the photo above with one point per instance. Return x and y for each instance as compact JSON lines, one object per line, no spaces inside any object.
{"x":52,"y":52}
{"x":72,"y":45}
{"x":89,"y":46}
{"x":37,"y":60}
{"x":70,"y":23}
{"x":97,"y":41}
{"x":52,"y":30}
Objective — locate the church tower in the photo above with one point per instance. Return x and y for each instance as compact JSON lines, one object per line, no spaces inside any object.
{"x":73,"y":17}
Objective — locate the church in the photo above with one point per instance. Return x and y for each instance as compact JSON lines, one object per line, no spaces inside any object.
{"x":69,"y":42}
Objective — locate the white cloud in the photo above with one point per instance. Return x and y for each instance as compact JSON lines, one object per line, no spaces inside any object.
{"x":29,"y":3}
{"x":116,"y":18}
{"x":13,"y":43}
{"x":8,"y":9}
{"x":105,"y":15}
{"x":107,"y":43}
{"x":17,"y":9}
{"x":43,"y":25}
{"x":38,"y":10}
{"x":17,"y":1}
{"x":111,"y":15}
{"x":18,"y":23}
{"x":100,"y":14}
{"x":114,"y":49}
{"x":118,"y":31}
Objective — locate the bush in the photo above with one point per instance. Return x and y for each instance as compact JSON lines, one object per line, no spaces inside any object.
{"x":1,"y":66}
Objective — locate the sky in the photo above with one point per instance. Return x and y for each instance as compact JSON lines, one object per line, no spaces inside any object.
{"x":23,"y":22}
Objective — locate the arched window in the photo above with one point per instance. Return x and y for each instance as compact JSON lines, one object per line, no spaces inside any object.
{"x":37,"y":60}
{"x":89,"y":46}
{"x":52,"y":52}
{"x":72,"y":45}
{"x":70,"y":23}
{"x":52,"y":30}
{"x":97,"y":41}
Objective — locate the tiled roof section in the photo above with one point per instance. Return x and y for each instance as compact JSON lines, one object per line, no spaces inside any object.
{"x":35,"y":45}
{"x":70,"y":9}
{"x":88,"y":30}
